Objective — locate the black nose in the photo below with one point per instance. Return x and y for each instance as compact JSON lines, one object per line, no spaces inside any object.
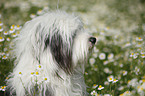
{"x":92,"y":40}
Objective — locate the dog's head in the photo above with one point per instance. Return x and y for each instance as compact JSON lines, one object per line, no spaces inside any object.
{"x":56,"y":39}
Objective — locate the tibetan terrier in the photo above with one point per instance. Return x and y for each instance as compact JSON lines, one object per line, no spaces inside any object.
{"x":50,"y":52}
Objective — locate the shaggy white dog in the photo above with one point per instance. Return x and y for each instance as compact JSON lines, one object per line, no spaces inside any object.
{"x":51,"y":51}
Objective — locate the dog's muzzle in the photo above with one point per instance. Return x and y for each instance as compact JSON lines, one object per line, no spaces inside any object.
{"x":92,"y":40}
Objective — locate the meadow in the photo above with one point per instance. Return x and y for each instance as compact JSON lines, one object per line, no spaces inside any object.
{"x":117,"y":64}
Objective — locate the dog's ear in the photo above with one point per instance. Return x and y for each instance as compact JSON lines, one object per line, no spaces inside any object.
{"x":60,"y":51}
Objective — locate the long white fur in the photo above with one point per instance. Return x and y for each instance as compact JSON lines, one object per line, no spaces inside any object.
{"x":30,"y":49}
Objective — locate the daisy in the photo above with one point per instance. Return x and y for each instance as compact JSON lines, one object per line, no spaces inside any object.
{"x":95,"y":50}
{"x":142,"y":52}
{"x":100,"y":87}
{"x":95,"y":86}
{"x":92,"y":61}
{"x":18,"y":27}
{"x":136,"y":70}
{"x":3,"y":88}
{"x":107,"y":28}
{"x":46,"y":8}
{"x":4,"y":57}
{"x":13,"y":26}
{"x":1,"y":29}
{"x":46,"y":79}
{"x":6,"y":33}
{"x":1,"y":23}
{"x":12,"y":30}
{"x":143,"y":55}
{"x":121,"y":88}
{"x":1,"y":39}
{"x":114,"y":81}
{"x":124,"y":73}
{"x":106,"y":83}
{"x":132,"y":54}
{"x":110,"y":78}
{"x":127,"y":44}
{"x":139,"y":45}
{"x":8,"y":39}
{"x":106,"y":70}
{"x":105,"y":62}
{"x":14,"y":34}
{"x":94,"y":93}
{"x":18,"y":32}
{"x":20,"y":73}
{"x":39,"y":12}
{"x":32,"y":16}
{"x":39,"y":67}
{"x":139,"y":39}
{"x":107,"y":95}
{"x":36,"y":73}
{"x":95,"y":55}
{"x":86,"y":73}
{"x":102,"y":56}
{"x":135,"y":56}
{"x":32,"y":74}
{"x":110,"y":56}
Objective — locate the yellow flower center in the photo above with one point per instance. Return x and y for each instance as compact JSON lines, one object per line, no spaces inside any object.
{"x":139,"y":38}
{"x":2,"y":87}
{"x":37,"y":73}
{"x":121,"y":95}
{"x":114,"y":79}
{"x":32,"y":73}
{"x":128,"y":81}
{"x":4,"y":56}
{"x":138,"y":87}
{"x":11,"y":29}
{"x":8,"y":38}
{"x":132,"y":53}
{"x":1,"y":37}
{"x":7,"y":77}
{"x":143,"y":55}
{"x":45,"y":79}
{"x":0,"y":27}
{"x":123,"y":72}
{"x":14,"y":34}
{"x":108,"y":27}
{"x":18,"y":32}
{"x":40,"y":10}
{"x":20,"y":72}
{"x":110,"y":79}
{"x":100,"y":86}
{"x":18,"y":26}
{"x":39,"y":66}
{"x":127,"y":92}
{"x":5,"y":32}
{"x":94,"y":85}
{"x":143,"y":80}
{"x":33,"y":14}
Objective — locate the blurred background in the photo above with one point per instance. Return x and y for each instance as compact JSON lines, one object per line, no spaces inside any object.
{"x":116,"y":67}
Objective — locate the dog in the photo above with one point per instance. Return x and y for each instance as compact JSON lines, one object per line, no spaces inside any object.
{"x":51,"y":52}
